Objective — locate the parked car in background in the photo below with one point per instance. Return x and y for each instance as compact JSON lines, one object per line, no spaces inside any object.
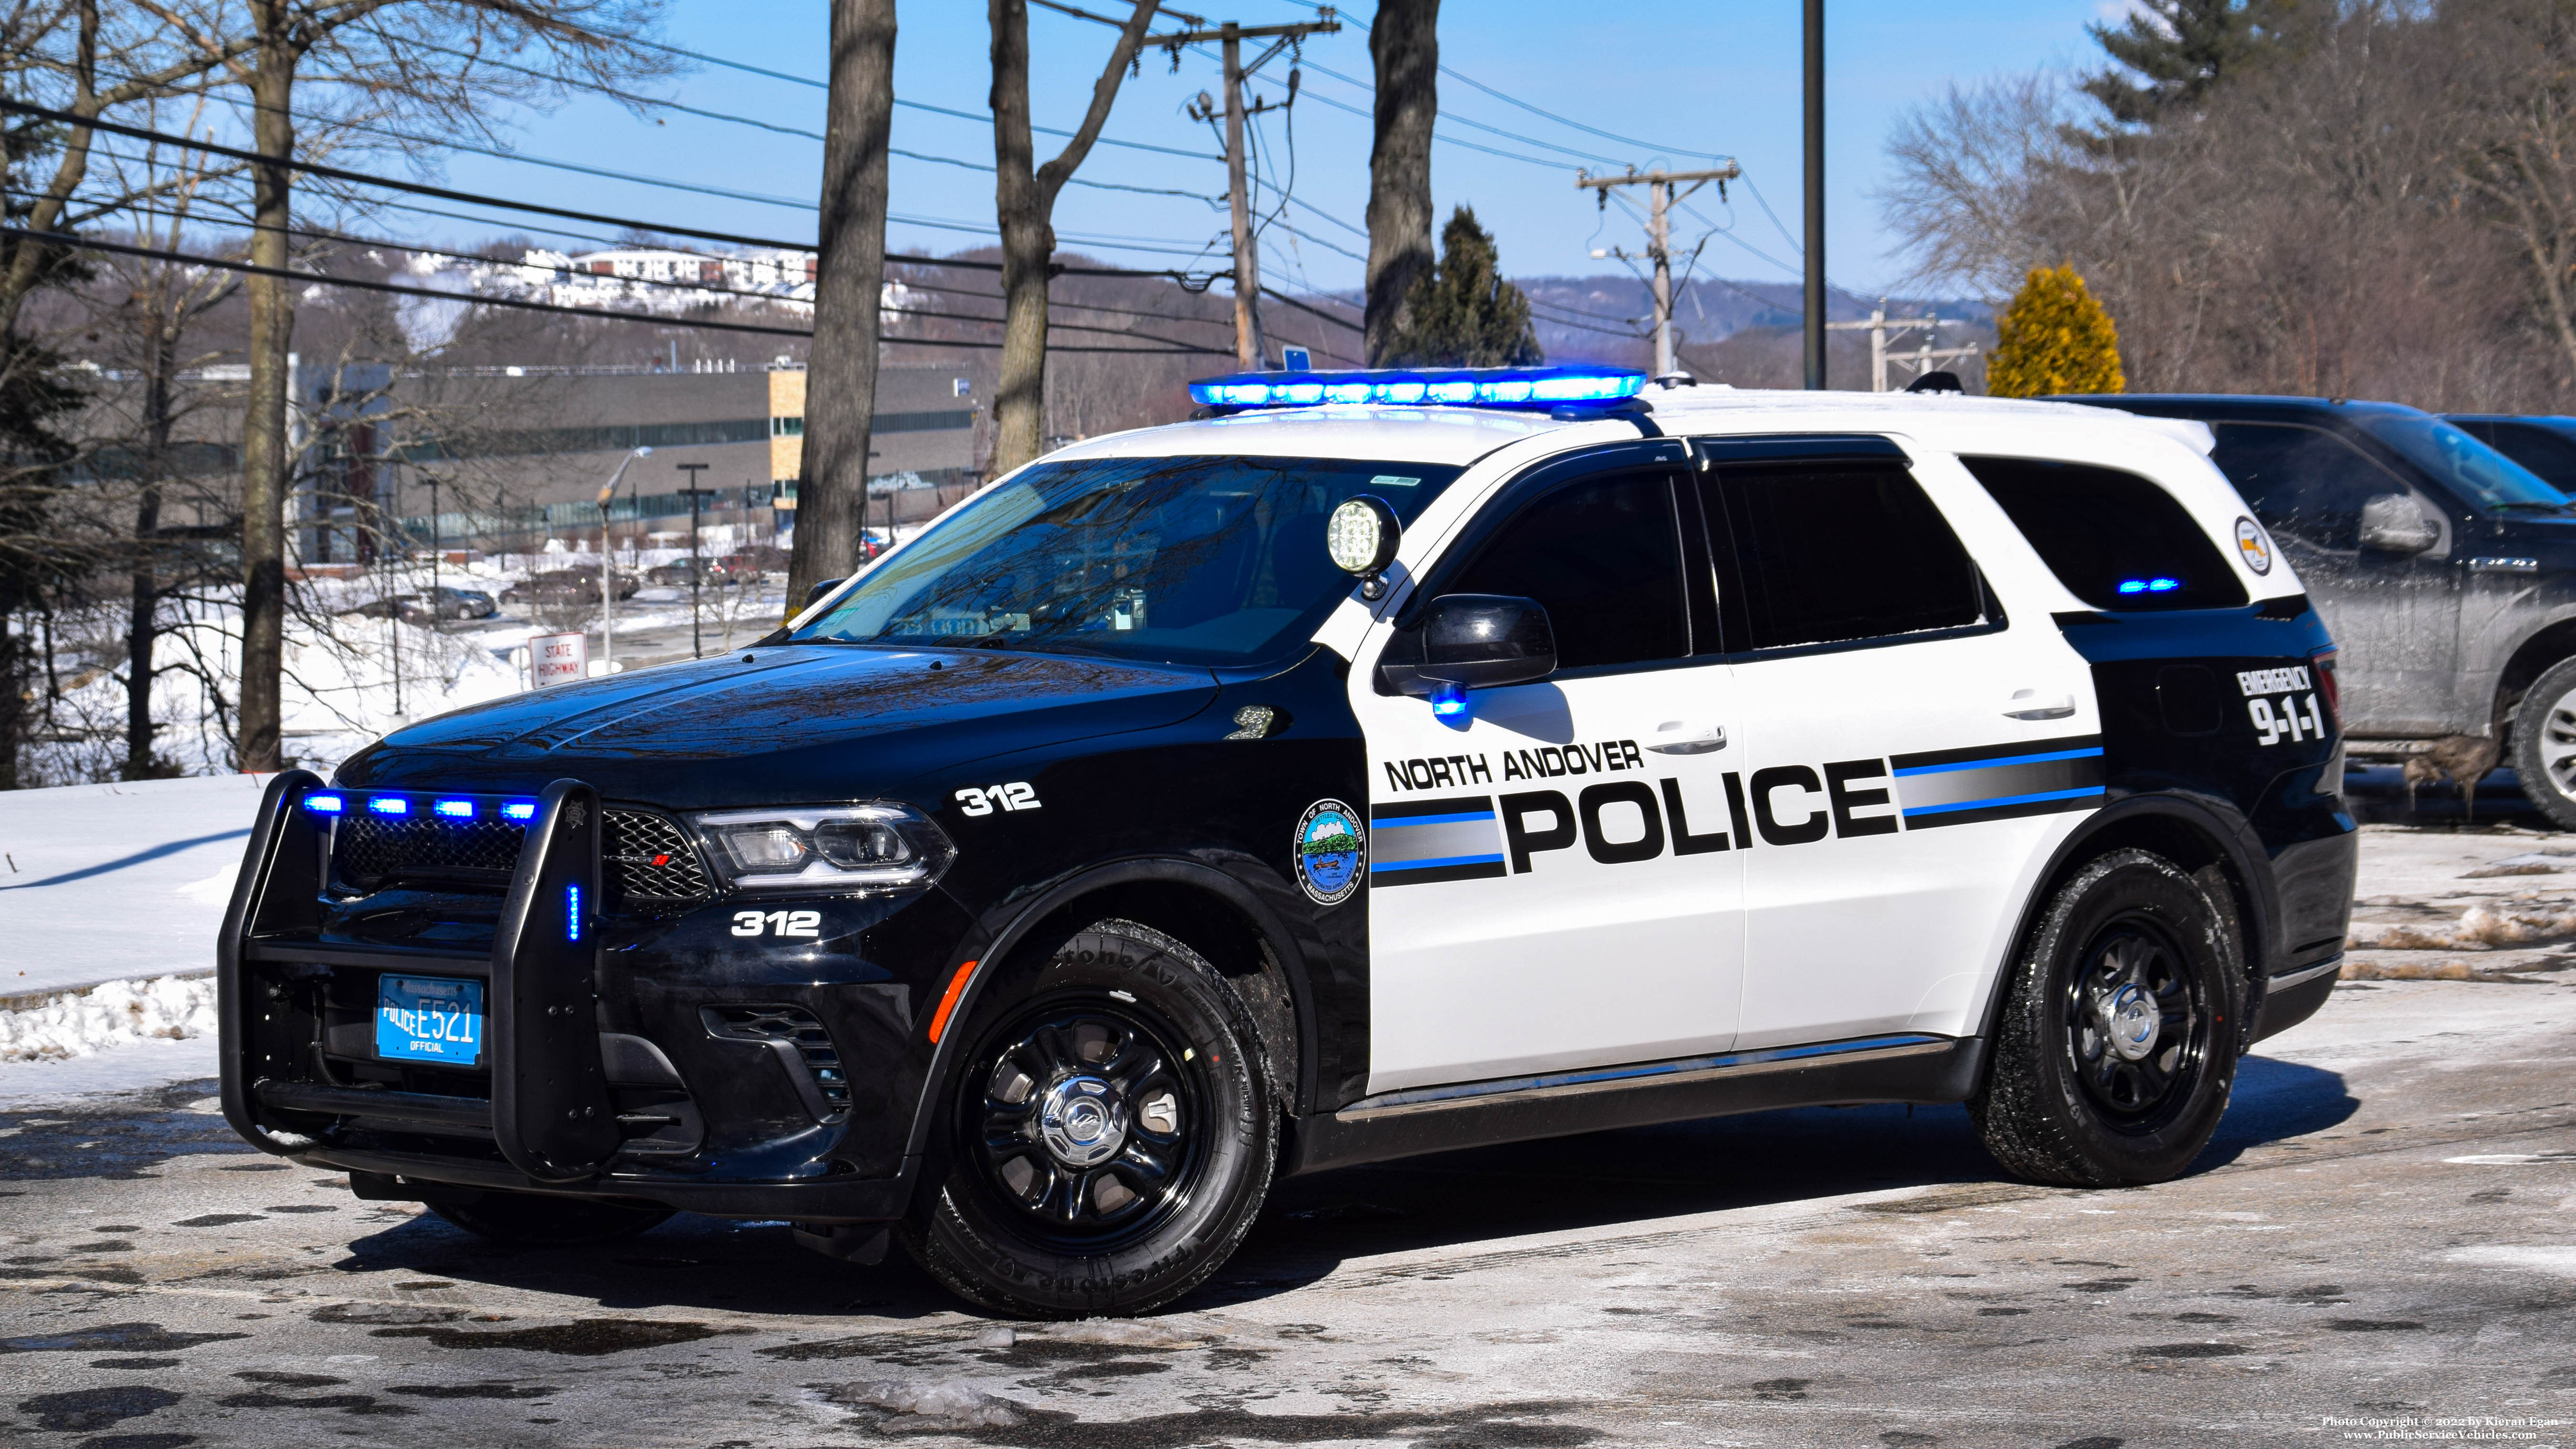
{"x":751,"y":563}
{"x":556,"y":586}
{"x":678,"y":573}
{"x":438,"y":603}
{"x":2546,"y":445}
{"x":2445,"y":570}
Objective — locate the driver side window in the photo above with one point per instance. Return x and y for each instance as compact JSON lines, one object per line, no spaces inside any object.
{"x":1604,"y":558}
{"x":2303,"y":482}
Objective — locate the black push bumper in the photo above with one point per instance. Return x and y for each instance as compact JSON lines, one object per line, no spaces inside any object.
{"x":550,"y":1118}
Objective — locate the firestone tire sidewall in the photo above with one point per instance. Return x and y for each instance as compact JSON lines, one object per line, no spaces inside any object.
{"x":978,"y":1247}
{"x":2034,"y":1113}
{"x":2530,"y":741}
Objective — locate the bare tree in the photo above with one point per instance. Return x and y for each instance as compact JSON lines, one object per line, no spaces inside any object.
{"x":841,"y":386}
{"x":1025,"y":199}
{"x":1405,"y":43}
{"x":2521,"y":163}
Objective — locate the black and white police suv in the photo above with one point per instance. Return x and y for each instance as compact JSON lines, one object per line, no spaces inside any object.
{"x":1376,"y":764}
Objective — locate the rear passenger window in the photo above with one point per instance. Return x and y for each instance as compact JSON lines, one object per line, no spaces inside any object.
{"x":1604,"y":558}
{"x":1836,"y":552}
{"x":2116,"y":540}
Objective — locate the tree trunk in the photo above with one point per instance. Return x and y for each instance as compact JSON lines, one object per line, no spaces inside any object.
{"x":841,"y":375}
{"x":1028,"y":242}
{"x":142,"y":629}
{"x":1405,"y":43}
{"x":265,"y":465}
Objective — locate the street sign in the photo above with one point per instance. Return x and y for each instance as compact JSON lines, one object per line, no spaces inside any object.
{"x":558,"y":658}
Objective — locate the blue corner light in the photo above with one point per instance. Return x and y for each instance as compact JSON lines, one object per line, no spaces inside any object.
{"x":519,"y":810}
{"x":325,"y":804}
{"x":1500,"y":387}
{"x":1449,"y":701}
{"x":455,"y":809}
{"x":572,"y":912}
{"x":388,"y":805}
{"x":2149,"y":586}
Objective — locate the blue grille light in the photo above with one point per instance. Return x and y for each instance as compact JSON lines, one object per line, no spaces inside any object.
{"x":325,"y":804}
{"x":520,"y":810}
{"x":455,"y":809}
{"x":1487,"y":387}
{"x":572,"y":912}
{"x":389,"y":805}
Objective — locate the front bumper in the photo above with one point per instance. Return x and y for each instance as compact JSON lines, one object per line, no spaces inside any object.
{"x":655,"y":1064}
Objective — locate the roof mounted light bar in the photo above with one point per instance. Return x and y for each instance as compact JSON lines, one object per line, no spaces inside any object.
{"x":1492,"y":387}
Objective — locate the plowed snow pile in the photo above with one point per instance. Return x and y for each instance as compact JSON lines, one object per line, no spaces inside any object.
{"x":77,"y":1023}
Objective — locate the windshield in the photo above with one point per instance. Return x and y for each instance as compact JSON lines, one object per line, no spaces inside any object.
{"x":2478,"y":473}
{"x":1199,"y":560}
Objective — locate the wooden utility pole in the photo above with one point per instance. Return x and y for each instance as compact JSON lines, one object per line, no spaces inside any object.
{"x":1880,"y":325}
{"x":697,"y":645}
{"x":1659,"y":235}
{"x":1249,"y":348}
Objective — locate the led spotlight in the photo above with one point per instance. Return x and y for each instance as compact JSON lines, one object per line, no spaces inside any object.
{"x":388,"y":805}
{"x":455,"y":809}
{"x":325,"y":804}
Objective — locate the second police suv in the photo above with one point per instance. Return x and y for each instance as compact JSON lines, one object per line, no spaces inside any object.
{"x":1375,"y":764}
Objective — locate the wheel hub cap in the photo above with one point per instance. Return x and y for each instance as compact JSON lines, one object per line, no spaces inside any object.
{"x":1082,"y":1121}
{"x":2132,"y":1020}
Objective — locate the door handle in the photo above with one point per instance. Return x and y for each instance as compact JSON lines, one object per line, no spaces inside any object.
{"x":1673,"y":737}
{"x":2028,"y":704}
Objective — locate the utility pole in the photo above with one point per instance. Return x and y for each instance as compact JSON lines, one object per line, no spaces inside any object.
{"x":1880,"y":325}
{"x":1815,"y":219}
{"x":1250,"y":348}
{"x":1660,"y":198}
{"x":608,"y":556}
{"x":697,"y":646}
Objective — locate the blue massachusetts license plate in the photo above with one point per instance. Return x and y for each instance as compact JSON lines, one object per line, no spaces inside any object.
{"x":429,"y":1019}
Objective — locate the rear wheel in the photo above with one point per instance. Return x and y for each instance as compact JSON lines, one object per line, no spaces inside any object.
{"x":2544,"y":743}
{"x":1108,"y":1137}
{"x":2119,"y":1041}
{"x":533,"y":1220}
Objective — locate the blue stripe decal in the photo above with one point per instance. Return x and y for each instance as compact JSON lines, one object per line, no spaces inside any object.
{"x":1998,"y":800}
{"x":1651,"y":1069}
{"x":1995,"y":764}
{"x":1401,"y":822}
{"x":1383,"y":866}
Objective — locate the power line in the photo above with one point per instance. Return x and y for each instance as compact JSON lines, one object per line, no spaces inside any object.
{"x":1463,"y":121}
{"x":1578,"y":125}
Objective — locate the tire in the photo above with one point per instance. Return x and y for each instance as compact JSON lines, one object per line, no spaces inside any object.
{"x":533,"y":1220}
{"x":1105,"y":1140}
{"x":2544,"y":743}
{"x":2130,"y":940}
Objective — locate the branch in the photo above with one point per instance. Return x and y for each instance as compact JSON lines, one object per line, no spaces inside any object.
{"x":1131,"y":36}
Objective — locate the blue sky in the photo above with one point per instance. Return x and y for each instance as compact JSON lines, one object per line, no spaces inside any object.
{"x":1689,"y":78}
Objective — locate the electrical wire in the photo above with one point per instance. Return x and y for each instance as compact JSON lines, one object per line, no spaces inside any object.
{"x":1364,"y":86}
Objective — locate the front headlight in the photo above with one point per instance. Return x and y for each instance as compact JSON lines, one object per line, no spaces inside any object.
{"x":827,"y":847}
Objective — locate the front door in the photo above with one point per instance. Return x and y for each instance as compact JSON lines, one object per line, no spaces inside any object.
{"x":1551,"y":887}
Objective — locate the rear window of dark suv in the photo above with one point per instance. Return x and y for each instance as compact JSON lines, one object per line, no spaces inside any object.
{"x":2116,"y":540}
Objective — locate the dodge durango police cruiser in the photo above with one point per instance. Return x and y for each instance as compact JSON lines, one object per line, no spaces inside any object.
{"x":1377,"y":763}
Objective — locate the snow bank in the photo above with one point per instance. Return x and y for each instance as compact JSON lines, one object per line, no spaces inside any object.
{"x":2481,"y":928}
{"x":938,"y":1404}
{"x":77,"y":1023}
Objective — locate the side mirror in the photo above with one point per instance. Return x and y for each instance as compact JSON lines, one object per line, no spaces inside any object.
{"x":1361,"y":536}
{"x":817,"y":592}
{"x":2393,"y":523}
{"x":1481,"y":641}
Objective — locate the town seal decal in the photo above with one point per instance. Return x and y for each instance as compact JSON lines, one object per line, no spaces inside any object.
{"x":1331,"y":852}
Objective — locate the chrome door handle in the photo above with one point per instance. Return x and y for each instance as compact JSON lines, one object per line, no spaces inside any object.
{"x":1687,"y":742}
{"x":2027,"y":704}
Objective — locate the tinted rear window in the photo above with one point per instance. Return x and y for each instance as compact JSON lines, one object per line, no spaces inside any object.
{"x":1841,"y":552}
{"x":2116,"y":540}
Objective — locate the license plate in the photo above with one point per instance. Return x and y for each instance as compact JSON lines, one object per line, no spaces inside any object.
{"x":429,"y":1019}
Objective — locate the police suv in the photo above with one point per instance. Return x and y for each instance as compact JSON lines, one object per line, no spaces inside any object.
{"x":1376,"y":764}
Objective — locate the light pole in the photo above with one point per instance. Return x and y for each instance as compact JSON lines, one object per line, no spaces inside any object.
{"x":608,"y":585}
{"x":697,"y":648}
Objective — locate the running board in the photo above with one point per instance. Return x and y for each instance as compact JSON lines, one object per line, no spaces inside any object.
{"x":1437,"y":1119}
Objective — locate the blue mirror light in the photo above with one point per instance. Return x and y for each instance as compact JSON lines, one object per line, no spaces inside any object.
{"x":1449,"y":700}
{"x":1487,"y":387}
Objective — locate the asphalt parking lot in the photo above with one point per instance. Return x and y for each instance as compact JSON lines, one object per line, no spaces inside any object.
{"x":2378,"y":1242}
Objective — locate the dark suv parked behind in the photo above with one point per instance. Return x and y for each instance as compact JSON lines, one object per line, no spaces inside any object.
{"x":2446,"y":571}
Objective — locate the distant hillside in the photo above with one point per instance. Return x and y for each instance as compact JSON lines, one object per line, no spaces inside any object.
{"x":1609,"y":318}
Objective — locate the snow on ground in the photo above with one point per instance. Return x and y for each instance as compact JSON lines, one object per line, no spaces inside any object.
{"x":2492,"y":904}
{"x":117,"y":882}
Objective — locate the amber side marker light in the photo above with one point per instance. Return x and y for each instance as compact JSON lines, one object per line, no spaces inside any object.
{"x":948,"y":1000}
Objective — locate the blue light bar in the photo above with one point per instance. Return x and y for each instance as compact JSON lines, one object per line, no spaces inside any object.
{"x":1500,"y":387}
{"x":520,"y":809}
{"x":325,"y":804}
{"x":389,"y":805}
{"x":572,"y":912}
{"x":455,"y":809}
{"x":2149,"y":586}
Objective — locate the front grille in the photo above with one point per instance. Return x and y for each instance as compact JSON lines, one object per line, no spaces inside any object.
{"x":798,"y":1028}
{"x":648,"y":859}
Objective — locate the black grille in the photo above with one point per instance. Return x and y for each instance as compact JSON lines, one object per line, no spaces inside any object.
{"x":649,"y":860}
{"x":797,"y":1027}
{"x":371,"y":850}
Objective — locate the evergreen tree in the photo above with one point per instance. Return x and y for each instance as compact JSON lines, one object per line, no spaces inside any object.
{"x":2169,"y":53}
{"x":1463,"y":314}
{"x":2054,"y":338}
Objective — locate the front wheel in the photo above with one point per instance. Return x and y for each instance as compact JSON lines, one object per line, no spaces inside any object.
{"x":1108,"y":1134}
{"x":2118,"y":1042}
{"x":2544,"y":743}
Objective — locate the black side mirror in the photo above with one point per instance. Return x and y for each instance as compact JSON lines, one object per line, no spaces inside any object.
{"x":1481,"y":641}
{"x":817,"y":592}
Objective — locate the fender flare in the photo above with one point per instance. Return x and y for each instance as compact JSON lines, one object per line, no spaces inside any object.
{"x":1274,"y":930}
{"x":2235,"y":842}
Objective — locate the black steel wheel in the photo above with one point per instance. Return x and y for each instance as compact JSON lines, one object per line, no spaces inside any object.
{"x":1109,"y":1132}
{"x":2118,"y":1039}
